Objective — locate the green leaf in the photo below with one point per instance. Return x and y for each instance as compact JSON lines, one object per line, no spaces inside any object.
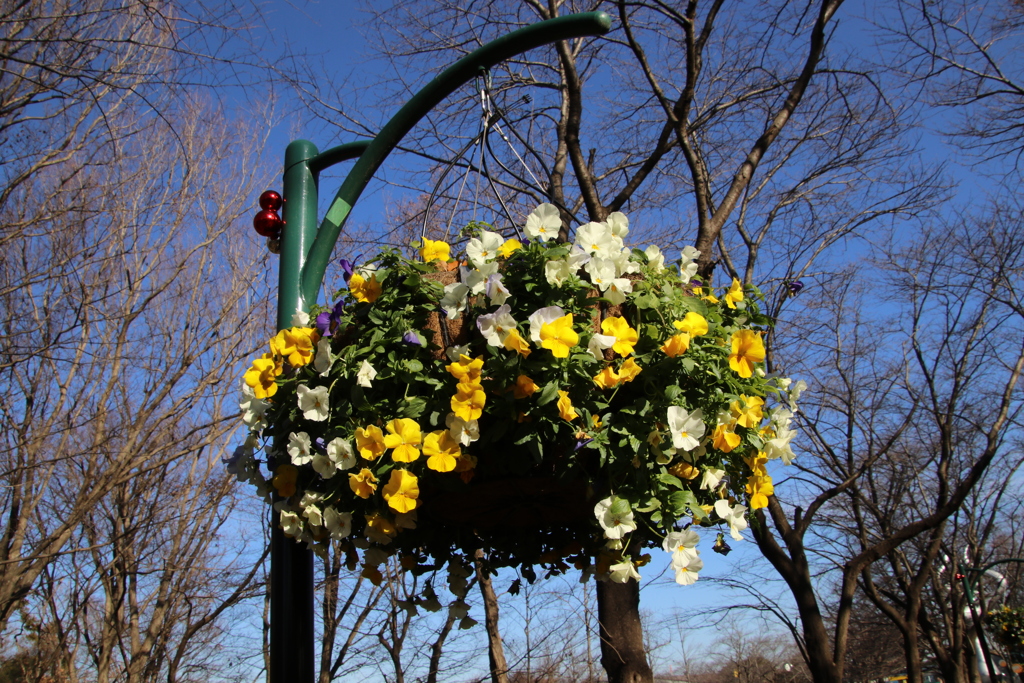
{"x":646,"y":301}
{"x":681,"y":500}
{"x":548,"y":394}
{"x":414,"y":365}
{"x":666,"y":478}
{"x":620,"y":506}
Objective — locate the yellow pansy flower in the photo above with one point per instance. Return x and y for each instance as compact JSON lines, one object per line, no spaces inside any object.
{"x":524,"y":387}
{"x":401,"y":491}
{"x":370,"y":442}
{"x":403,"y":436}
{"x":434,"y":250}
{"x":442,"y":451}
{"x":380,"y":529}
{"x":747,"y":411}
{"x":565,"y":409}
{"x":625,"y":336}
{"x":676,"y":345}
{"x":285,"y":477}
{"x":261,"y":376}
{"x":735,"y":294}
{"x":468,"y":404}
{"x":515,"y":342}
{"x":510,"y":246}
{"x":759,"y":487}
{"x":297,"y":345}
{"x":607,"y":378}
{"x":693,"y":324}
{"x":362,"y":484}
{"x":747,"y":350}
{"x":466,"y":368}
{"x":629,"y":370}
{"x":558,"y":336}
{"x":684,"y":470}
{"x":725,"y":438}
{"x":365,"y":291}
{"x":709,"y":297}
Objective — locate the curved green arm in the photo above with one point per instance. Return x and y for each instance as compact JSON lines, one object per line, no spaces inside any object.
{"x":459,"y":73}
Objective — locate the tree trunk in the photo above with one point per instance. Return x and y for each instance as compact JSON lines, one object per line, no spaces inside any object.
{"x":495,"y":650}
{"x":622,"y":637}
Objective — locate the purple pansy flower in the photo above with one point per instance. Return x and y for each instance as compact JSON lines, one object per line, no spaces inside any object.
{"x":412,"y":339}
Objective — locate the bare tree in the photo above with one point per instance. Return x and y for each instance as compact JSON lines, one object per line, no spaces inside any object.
{"x":122,"y":339}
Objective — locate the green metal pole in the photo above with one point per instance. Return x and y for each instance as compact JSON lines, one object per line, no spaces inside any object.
{"x":292,"y":657}
{"x":291,"y":565}
{"x":459,"y":73}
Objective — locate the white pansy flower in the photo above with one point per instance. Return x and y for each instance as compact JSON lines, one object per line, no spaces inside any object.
{"x":617,"y":290}
{"x":596,"y":239}
{"x":340,"y":452}
{"x":455,"y":299}
{"x":543,"y":223}
{"x":496,"y":326}
{"x":291,"y":523}
{"x":615,"y":517}
{"x":324,"y":466}
{"x":542,"y":317}
{"x":779,"y":447}
{"x":254,"y":412}
{"x":680,"y":540}
{"x":495,"y":290}
{"x":300,"y":319}
{"x":484,"y":249}
{"x":794,"y":394}
{"x":338,"y":523}
{"x":686,"y":427}
{"x":454,"y":353}
{"x":578,"y":257}
{"x":687,"y":264}
{"x":557,"y":272}
{"x":476,"y":278}
{"x":313,"y":403}
{"x":623,"y":571}
{"x":710,"y":478}
{"x":367,"y":372}
{"x":601,"y":271}
{"x":463,"y":431}
{"x":686,"y":573}
{"x":734,"y":516}
{"x":623,"y":264}
{"x":313,"y":515}
{"x":618,"y":223}
{"x":655,"y":259}
{"x":598,"y":343}
{"x":299,"y":448}
{"x":324,"y":359}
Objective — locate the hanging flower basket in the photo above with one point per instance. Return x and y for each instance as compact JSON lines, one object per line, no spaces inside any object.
{"x":555,"y":404}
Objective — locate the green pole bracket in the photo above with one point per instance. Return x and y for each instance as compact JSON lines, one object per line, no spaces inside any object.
{"x":302,"y":166}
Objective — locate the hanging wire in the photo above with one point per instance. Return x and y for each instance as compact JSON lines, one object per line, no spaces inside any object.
{"x":490,"y":116}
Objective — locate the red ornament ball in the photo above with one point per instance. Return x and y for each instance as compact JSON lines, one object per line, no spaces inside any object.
{"x":268,"y":223}
{"x":270,"y":200}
